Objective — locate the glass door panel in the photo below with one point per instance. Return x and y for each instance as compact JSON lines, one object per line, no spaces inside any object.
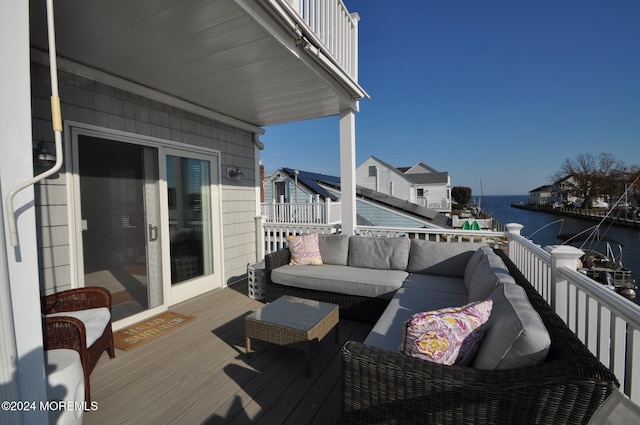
{"x":119,"y":204}
{"x":190,"y":218}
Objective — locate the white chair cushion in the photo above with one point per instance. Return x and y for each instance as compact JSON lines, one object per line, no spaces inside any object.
{"x":94,"y":320}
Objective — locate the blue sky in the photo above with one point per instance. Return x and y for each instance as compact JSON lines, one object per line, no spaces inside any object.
{"x":498,"y":92}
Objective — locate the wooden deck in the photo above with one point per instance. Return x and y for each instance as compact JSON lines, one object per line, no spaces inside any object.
{"x":199,"y":373}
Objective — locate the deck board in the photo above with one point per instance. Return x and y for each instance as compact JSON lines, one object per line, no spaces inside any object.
{"x":199,"y":373}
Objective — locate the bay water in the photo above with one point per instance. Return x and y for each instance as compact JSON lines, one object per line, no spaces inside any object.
{"x":543,"y":228}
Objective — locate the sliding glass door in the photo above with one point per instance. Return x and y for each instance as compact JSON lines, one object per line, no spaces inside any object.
{"x":147,"y":221}
{"x":191,"y":193}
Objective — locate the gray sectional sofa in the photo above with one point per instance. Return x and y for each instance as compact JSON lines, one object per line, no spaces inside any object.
{"x":529,"y":367}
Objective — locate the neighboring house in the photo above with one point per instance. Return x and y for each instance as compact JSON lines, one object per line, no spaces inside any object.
{"x":562,"y":190}
{"x":373,"y":208}
{"x":161,"y":111}
{"x":542,"y":195}
{"x":559,"y":192}
{"x":419,"y":184}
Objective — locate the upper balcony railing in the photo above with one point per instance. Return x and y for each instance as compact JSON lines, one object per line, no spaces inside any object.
{"x":607,"y":323}
{"x":331,"y":24}
{"x":326,"y":212}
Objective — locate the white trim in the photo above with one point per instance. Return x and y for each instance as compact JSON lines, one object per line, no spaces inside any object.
{"x":125,"y":136}
{"x":135,"y":88}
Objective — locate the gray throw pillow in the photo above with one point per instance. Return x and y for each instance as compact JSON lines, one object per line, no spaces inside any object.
{"x":514,"y":335}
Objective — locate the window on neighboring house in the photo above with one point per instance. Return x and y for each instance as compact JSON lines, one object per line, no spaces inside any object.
{"x":420,"y":193}
{"x":281,"y":191}
{"x":373,"y":171}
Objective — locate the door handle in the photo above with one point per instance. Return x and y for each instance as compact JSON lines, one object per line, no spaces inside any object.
{"x":153,"y":233}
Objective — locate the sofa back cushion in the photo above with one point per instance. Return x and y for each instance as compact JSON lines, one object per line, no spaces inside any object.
{"x":489,"y":272}
{"x":514,"y":334}
{"x":473,"y":263}
{"x":440,"y":258}
{"x":379,"y":253}
{"x":334,"y":249}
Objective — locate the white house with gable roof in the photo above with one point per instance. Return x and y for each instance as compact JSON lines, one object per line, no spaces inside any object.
{"x":419,"y":184}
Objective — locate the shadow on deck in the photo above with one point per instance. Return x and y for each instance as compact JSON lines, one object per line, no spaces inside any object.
{"x":199,"y":373}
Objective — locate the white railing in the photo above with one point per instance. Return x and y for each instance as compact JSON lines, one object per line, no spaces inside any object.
{"x":607,"y":323}
{"x":438,"y":235}
{"x":334,"y":27}
{"x":275,"y":234}
{"x":443,"y":204}
{"x":302,"y":213}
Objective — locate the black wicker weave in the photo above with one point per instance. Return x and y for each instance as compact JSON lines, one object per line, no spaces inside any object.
{"x":366,"y":309}
{"x":384,"y":387}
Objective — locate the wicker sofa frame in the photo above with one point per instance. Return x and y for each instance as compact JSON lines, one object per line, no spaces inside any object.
{"x":384,"y":387}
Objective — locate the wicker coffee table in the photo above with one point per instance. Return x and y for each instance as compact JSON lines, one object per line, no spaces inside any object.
{"x":294,"y":322}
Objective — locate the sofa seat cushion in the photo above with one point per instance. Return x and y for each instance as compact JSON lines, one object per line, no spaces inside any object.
{"x":341,"y":279}
{"x":515,"y":335}
{"x":440,"y":258}
{"x":436,"y":284}
{"x":379,"y":253}
{"x":387,"y":332}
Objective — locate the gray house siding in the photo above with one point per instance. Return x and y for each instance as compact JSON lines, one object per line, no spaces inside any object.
{"x":92,"y":103}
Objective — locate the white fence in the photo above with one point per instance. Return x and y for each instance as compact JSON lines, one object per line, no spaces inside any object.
{"x":607,"y":323}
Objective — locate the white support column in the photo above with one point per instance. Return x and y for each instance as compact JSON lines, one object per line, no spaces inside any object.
{"x":561,"y":256}
{"x":260,"y":219}
{"x":19,"y":275}
{"x":348,"y":171}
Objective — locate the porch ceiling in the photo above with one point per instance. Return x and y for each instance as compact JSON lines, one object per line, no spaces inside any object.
{"x":233,"y":57}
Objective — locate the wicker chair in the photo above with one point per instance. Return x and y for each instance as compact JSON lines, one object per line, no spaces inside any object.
{"x":63,"y":331}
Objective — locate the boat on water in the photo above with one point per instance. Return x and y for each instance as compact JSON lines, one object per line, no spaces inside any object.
{"x":600,"y":261}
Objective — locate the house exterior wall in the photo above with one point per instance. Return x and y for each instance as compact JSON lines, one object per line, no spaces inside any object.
{"x":93,"y":103}
{"x":302,"y":195}
{"x":436,"y":196}
{"x":540,"y":197}
{"x":387,"y":180}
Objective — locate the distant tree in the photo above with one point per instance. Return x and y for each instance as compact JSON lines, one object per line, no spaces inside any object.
{"x":593,"y":176}
{"x":461,"y":194}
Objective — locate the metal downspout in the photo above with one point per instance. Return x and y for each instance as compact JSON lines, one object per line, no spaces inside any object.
{"x":56,"y":118}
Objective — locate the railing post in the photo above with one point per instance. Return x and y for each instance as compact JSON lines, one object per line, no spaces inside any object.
{"x":327,"y":206}
{"x":512,"y":229}
{"x":561,"y":256}
{"x":259,"y":237}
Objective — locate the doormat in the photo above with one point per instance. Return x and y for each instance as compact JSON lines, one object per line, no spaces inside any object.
{"x":147,"y":330}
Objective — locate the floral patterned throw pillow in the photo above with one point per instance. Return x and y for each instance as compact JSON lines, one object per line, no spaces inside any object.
{"x":305,"y":250}
{"x":448,"y":336}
